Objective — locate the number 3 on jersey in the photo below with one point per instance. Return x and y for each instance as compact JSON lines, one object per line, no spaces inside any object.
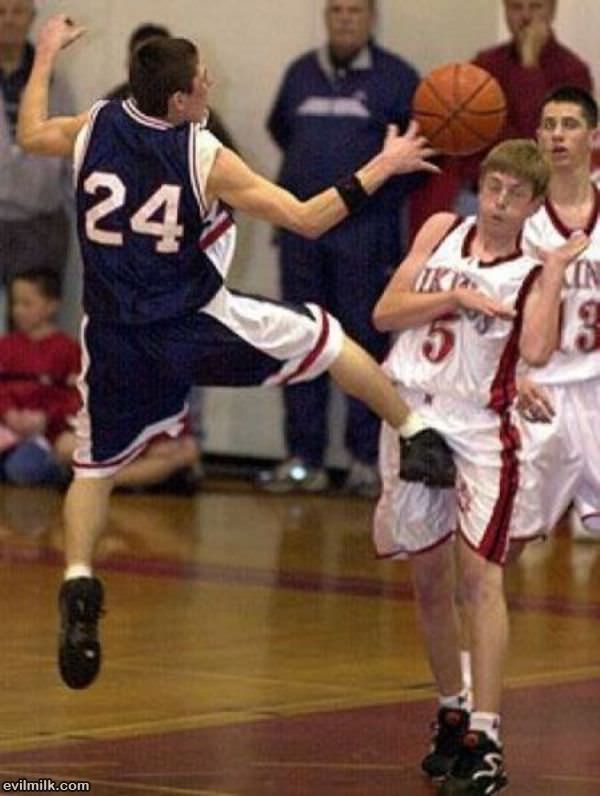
{"x":440,"y":338}
{"x":143,"y":221}
{"x":589,"y":338}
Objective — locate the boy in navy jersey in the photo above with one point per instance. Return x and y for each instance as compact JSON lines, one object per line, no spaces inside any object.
{"x":154,"y":189}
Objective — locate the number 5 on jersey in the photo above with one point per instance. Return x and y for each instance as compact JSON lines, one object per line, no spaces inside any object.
{"x":144,"y":221}
{"x":440,"y":338}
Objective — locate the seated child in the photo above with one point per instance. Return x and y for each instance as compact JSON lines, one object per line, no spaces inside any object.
{"x":38,"y":372}
{"x":39,"y":398}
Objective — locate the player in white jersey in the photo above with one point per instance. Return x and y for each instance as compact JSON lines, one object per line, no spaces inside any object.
{"x":152,"y":191}
{"x":458,"y":301}
{"x":569,"y":324}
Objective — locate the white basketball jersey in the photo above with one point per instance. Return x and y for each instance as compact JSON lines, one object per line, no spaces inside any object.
{"x":466,"y":355}
{"x":578,"y":357}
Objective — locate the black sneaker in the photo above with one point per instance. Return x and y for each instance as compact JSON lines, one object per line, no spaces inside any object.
{"x":478,"y":770}
{"x":427,"y":458}
{"x":451,"y":725}
{"x":79,"y":654}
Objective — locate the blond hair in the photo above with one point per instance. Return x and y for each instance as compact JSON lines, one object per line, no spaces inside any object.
{"x":521,"y":158}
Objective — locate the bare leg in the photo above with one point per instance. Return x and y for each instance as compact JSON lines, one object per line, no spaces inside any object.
{"x":434,"y":579}
{"x":159,"y":462}
{"x":483,"y":592}
{"x":85,"y":512}
{"x":357,"y":374}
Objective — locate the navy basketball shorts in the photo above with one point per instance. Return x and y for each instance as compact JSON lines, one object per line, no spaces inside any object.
{"x":135,"y":379}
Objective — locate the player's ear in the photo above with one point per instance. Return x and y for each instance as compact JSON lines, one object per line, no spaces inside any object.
{"x":176,"y":106}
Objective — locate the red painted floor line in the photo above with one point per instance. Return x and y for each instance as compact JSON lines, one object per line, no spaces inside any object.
{"x":551,"y":735}
{"x":302,"y":581}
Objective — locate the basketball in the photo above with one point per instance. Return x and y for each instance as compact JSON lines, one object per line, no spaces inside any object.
{"x":460,"y":108}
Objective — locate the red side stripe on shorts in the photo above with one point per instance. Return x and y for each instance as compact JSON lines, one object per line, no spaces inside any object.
{"x":494,"y":544}
{"x":313,"y":355}
{"x":215,"y":233}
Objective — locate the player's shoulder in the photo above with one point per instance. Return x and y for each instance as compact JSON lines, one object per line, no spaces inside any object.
{"x":434,"y":232}
{"x":439,"y":225}
{"x":538,"y":224}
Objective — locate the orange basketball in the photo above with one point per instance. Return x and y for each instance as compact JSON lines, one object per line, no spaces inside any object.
{"x":460,"y":108}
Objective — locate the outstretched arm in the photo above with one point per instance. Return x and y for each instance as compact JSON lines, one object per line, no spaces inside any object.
{"x":236,"y":184}
{"x":35,"y":131}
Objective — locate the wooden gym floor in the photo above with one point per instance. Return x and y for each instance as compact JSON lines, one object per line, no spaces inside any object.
{"x":255,"y":647}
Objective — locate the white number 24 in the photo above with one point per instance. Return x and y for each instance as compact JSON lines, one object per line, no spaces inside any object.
{"x":167,"y":197}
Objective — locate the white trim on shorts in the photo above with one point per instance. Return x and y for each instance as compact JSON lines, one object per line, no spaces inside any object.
{"x":281,"y":333}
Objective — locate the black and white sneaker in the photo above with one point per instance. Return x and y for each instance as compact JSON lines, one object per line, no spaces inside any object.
{"x":479,"y":768}
{"x":79,"y":654}
{"x":426,"y":457}
{"x":448,"y":732}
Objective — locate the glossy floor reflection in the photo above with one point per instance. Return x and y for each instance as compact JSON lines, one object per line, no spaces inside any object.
{"x":254,"y":646}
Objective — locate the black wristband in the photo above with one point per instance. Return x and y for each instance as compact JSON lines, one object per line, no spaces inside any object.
{"x":351,"y":192}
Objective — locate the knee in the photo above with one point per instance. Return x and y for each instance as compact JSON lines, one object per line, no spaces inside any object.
{"x":188,"y":451}
{"x":481,"y":585}
{"x":434,"y":581}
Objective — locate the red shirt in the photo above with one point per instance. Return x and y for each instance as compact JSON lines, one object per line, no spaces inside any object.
{"x":39,"y":375}
{"x":525,"y":89}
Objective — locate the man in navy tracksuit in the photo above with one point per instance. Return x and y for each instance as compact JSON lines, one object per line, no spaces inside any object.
{"x":330,"y":114}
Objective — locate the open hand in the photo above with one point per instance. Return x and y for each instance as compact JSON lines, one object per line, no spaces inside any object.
{"x":408,"y":152}
{"x":533,"y":402}
{"x":470,"y":299}
{"x":564,"y":254}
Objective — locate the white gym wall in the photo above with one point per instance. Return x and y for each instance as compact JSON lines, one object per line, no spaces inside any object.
{"x":247,"y":46}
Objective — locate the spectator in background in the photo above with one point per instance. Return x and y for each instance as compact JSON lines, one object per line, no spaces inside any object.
{"x":330,"y":113}
{"x":39,"y":398}
{"x":139,"y":36}
{"x":38,"y":372}
{"x":528,"y":67}
{"x":34,"y":226}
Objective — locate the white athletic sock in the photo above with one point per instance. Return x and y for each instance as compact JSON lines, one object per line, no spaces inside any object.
{"x":465,"y":665}
{"x":78,"y":571}
{"x":458,"y":701}
{"x":412,"y":425}
{"x":489,"y":723}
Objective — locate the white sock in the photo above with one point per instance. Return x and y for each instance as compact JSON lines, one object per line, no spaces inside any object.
{"x":412,"y":425}
{"x":456,"y":701}
{"x":465,"y":665}
{"x":489,"y":723}
{"x":78,"y":571}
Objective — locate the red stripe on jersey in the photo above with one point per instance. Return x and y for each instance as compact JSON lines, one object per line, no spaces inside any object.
{"x":494,"y":544}
{"x":215,"y":233}
{"x":468,"y":242}
{"x":313,"y":355}
{"x":504,"y":387}
{"x":456,"y":223}
{"x":566,"y":231}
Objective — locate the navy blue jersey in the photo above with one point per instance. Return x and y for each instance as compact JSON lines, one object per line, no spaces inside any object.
{"x":141,"y":214}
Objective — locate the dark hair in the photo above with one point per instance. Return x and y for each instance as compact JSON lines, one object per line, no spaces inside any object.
{"x":158,"y":69}
{"x":577,"y":96}
{"x":145,"y":32}
{"x":47,"y":281}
